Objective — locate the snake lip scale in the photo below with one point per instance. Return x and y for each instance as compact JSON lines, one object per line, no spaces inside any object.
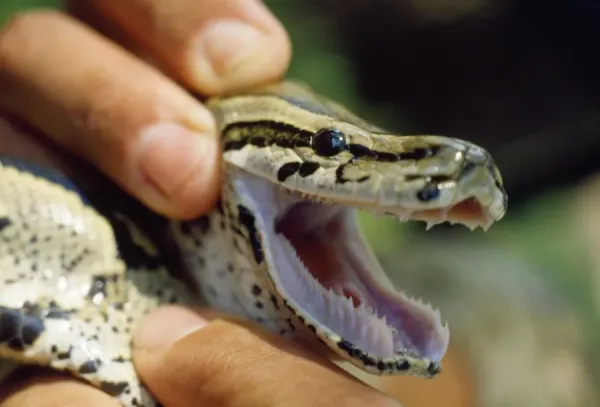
{"x":282,"y":247}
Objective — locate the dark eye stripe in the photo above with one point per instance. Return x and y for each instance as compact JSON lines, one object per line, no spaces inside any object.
{"x":359,"y":151}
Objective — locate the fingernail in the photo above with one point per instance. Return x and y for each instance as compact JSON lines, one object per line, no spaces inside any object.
{"x":165,"y":326}
{"x":171,"y":154}
{"x":225,"y":47}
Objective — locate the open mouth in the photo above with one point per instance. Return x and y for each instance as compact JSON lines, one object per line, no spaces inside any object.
{"x":327,"y":274}
{"x":347,"y":290}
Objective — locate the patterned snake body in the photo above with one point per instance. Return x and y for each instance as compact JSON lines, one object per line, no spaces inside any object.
{"x":281,"y":246}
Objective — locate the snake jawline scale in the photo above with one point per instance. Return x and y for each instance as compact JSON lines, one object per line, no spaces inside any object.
{"x":281,"y":247}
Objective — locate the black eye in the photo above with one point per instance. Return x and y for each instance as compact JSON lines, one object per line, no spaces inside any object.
{"x":429,"y":192}
{"x":328,"y":142}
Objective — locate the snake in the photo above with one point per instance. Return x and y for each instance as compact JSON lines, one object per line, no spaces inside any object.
{"x":283,"y":247}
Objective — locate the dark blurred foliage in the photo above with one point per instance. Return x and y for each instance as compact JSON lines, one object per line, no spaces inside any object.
{"x":520,"y":78}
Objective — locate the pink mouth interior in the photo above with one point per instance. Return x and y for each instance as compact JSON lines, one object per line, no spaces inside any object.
{"x":331,"y":248}
{"x":466,"y":211}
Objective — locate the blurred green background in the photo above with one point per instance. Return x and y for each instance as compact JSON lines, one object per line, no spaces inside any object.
{"x":545,"y":239}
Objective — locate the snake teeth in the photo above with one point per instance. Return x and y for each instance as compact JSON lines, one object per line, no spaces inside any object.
{"x":359,"y":324}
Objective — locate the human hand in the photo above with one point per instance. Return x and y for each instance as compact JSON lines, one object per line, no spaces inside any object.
{"x":187,"y":362}
{"x":102,"y":98}
{"x":111,"y":101}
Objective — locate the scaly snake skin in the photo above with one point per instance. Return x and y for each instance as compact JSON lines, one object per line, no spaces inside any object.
{"x":281,"y":247}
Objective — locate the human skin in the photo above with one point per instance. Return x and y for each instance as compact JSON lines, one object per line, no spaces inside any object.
{"x":105,"y":82}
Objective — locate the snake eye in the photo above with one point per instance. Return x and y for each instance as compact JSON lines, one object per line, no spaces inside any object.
{"x":328,"y":142}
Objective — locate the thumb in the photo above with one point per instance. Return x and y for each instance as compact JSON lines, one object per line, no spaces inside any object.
{"x":187,"y":361}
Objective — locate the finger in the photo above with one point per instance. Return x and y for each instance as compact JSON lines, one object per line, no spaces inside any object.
{"x":187,"y":362}
{"x":37,"y":388}
{"x":124,"y":116}
{"x":214,"y":46}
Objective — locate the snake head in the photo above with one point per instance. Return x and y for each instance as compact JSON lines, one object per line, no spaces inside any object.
{"x":304,"y":166}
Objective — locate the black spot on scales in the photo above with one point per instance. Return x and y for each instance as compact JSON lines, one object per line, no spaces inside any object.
{"x":4,"y":222}
{"x":98,"y":286}
{"x":403,"y":365}
{"x":113,"y":388}
{"x":256,"y":290}
{"x":367,"y":360}
{"x":10,"y":322}
{"x":89,"y":366}
{"x":434,"y":368}
{"x":203,"y":223}
{"x":419,"y":153}
{"x":347,"y":347}
{"x":247,"y":220}
{"x":31,"y":330}
{"x":65,"y":354}
{"x":287,"y":170}
{"x":274,"y":302}
{"x":235,"y":144}
{"x":339,"y":174}
{"x":55,"y":312}
{"x":354,"y":352}
{"x":388,"y":157}
{"x":289,"y":307}
{"x":20,"y":328}
{"x":259,"y":141}
{"x":358,"y":150}
{"x":308,"y":168}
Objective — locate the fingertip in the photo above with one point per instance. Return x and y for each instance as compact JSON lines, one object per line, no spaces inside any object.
{"x":228,"y":55}
{"x":213,"y":47}
{"x":179,"y":170}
